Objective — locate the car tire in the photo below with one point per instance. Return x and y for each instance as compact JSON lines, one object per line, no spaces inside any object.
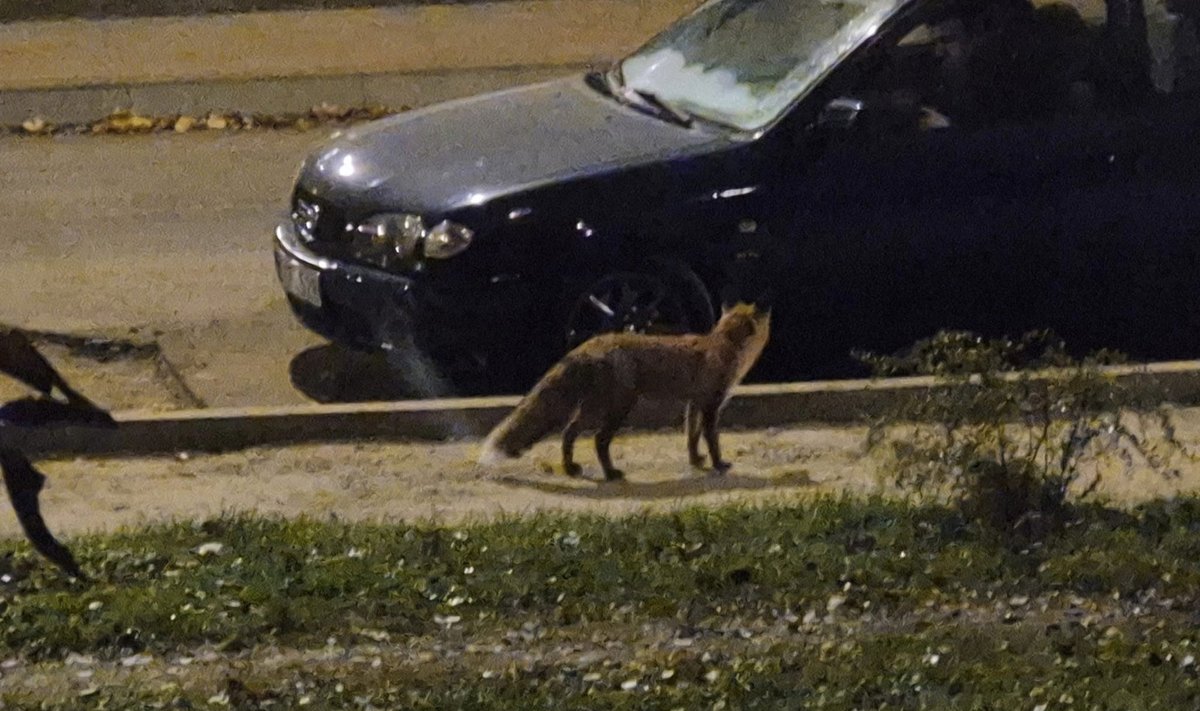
{"x":658,"y":296}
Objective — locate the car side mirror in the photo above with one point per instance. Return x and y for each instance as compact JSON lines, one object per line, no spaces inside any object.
{"x":841,"y":114}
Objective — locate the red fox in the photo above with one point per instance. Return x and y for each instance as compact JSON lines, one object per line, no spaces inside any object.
{"x":599,"y":382}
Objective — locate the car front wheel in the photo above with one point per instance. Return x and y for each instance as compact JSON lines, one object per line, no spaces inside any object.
{"x":658,"y":298}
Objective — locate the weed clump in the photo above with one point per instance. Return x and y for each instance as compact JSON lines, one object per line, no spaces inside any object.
{"x":1014,"y":430}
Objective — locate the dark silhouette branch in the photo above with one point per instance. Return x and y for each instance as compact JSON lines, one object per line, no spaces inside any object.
{"x":21,"y":360}
{"x":24,"y":484}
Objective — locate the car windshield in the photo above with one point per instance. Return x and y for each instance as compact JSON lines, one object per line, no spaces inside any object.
{"x":742,"y":62}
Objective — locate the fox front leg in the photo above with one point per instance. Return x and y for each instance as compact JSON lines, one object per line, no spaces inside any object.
{"x":691,"y":426}
{"x":603,"y":440}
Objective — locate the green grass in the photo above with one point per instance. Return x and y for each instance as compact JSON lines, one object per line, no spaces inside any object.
{"x":837,"y":603}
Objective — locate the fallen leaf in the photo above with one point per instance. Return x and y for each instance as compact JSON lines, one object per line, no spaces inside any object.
{"x":35,"y":125}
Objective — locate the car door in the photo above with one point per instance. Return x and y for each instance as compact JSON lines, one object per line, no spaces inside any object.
{"x":1131,"y":242}
{"x":899,"y":237}
{"x":900,"y":230}
{"x":1118,"y":270}
{"x":1161,"y":231}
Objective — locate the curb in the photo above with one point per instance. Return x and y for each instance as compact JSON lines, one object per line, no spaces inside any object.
{"x":824,"y":403}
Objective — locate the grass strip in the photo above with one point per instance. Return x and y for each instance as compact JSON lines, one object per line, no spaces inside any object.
{"x":833,"y":603}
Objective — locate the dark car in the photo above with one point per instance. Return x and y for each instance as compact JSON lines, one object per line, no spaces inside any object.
{"x":889,"y":167}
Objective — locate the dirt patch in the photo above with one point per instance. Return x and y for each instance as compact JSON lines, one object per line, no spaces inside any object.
{"x":607,"y":652}
{"x":442,"y":482}
{"x":434,"y":481}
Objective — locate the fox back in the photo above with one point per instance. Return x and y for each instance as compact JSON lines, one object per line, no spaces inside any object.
{"x":684,"y":367}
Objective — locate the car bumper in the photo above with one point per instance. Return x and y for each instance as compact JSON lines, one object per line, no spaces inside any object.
{"x":370,"y":309}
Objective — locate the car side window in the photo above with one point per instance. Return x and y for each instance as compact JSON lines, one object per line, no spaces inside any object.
{"x":1008,"y":61}
{"x":1173,"y":39}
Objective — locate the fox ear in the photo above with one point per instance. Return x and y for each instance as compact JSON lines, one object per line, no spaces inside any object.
{"x":765,"y":301}
{"x":729,"y":298}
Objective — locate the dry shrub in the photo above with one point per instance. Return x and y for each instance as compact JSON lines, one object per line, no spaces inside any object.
{"x":1015,"y":429}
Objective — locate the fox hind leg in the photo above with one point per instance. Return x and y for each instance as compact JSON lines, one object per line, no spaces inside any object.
{"x":709,"y":418}
{"x":570,"y":434}
{"x":691,"y":425}
{"x":618,"y":410}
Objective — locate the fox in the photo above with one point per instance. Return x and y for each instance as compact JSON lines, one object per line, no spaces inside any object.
{"x":597,"y":384}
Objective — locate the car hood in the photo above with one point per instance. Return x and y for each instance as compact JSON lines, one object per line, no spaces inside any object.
{"x":469,"y":151}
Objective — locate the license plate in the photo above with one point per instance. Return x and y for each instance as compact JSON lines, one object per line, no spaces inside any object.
{"x":299,"y":280}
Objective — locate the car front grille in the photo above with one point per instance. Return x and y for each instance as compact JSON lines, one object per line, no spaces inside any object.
{"x":318,"y":220}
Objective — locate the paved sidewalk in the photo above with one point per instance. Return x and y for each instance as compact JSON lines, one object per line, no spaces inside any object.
{"x":263,"y":61}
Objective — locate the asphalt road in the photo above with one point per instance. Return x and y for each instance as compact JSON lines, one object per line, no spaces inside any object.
{"x":166,"y":235}
{"x":23,"y":10}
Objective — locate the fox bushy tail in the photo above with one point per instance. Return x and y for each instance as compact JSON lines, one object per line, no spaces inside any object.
{"x":547,"y":407}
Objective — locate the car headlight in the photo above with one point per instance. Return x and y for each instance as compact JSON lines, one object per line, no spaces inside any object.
{"x":396,"y":235}
{"x":392,"y":234}
{"x":447,"y":239}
